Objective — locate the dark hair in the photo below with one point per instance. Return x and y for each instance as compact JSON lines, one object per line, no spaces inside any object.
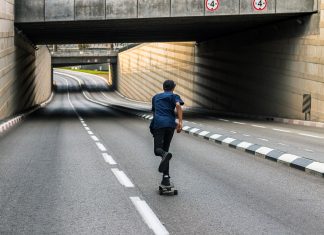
{"x":168,"y":85}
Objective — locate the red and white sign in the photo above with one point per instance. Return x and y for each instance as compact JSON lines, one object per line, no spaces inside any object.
{"x":260,"y":5}
{"x":212,"y":5}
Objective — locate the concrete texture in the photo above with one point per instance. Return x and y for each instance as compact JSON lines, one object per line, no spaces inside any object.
{"x":36,"y":9}
{"x":226,"y":7}
{"x":59,"y":10}
{"x":121,"y":9}
{"x":187,"y":7}
{"x":25,"y":73}
{"x":153,"y":8}
{"x":90,"y":10}
{"x":294,"y":5}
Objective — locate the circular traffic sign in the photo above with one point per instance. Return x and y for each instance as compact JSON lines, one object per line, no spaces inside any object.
{"x":212,"y":5}
{"x":260,"y":5}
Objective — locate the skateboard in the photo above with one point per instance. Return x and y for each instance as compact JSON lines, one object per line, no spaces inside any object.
{"x":167,"y":190}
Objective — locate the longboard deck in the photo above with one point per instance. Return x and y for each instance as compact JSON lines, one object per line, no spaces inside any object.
{"x":167,"y":190}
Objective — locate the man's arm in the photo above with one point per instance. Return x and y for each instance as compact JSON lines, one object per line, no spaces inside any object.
{"x":180,"y":114}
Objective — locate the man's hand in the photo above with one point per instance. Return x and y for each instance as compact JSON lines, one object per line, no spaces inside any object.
{"x":179,"y":127}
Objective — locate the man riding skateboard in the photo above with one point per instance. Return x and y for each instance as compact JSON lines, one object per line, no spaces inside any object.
{"x":163,"y":125}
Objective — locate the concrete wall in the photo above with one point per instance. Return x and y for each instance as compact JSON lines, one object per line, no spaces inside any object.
{"x":69,"y":10}
{"x":25,"y":74}
{"x":142,"y":70}
{"x":264,"y":71}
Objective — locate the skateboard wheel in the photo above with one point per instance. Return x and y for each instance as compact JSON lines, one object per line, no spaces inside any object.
{"x":175,"y":192}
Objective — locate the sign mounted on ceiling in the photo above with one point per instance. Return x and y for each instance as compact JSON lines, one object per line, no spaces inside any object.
{"x":260,"y":5}
{"x":212,"y":5}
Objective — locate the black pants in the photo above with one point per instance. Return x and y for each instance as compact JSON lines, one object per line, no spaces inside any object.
{"x":162,"y":141}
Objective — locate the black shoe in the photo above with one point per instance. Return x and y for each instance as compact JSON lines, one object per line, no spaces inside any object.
{"x":164,"y":162}
{"x":166,"y":181}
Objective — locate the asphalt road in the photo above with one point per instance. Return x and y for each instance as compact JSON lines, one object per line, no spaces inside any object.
{"x":58,"y":176}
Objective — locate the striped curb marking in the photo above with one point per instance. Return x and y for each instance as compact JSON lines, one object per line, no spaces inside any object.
{"x":294,"y":161}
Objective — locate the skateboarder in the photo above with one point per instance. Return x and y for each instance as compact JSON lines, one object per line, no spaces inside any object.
{"x":163,"y":125}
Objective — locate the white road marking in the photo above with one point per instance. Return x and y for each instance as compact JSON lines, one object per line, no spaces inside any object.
{"x":204,"y":133}
{"x":224,"y":120}
{"x":246,"y":135}
{"x":240,"y":123}
{"x":313,"y":136}
{"x":263,"y":127}
{"x":84,"y":125}
{"x":215,"y":136}
{"x":101,"y":147}
{"x":87,"y":128}
{"x":109,"y":159}
{"x":94,"y":138}
{"x":281,"y":130}
{"x":282,"y":144}
{"x":122,"y":178}
{"x":234,"y":132}
{"x":309,"y":150}
{"x":316,"y":166}
{"x":263,"y":151}
{"x":90,"y":132}
{"x":194,"y":123}
{"x":288,"y":157}
{"x":263,"y":139}
{"x":194,"y":130}
{"x":228,"y":140}
{"x":244,"y":145}
{"x":149,"y":216}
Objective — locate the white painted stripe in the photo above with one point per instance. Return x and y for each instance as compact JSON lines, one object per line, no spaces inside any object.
{"x":246,"y":135}
{"x":309,"y":150}
{"x":101,"y":147}
{"x":90,"y":132}
{"x":94,"y":138}
{"x":151,"y":118}
{"x":263,"y":127}
{"x":84,"y":125}
{"x":148,"y":216}
{"x":263,"y":151}
{"x":194,"y":130}
{"x":282,"y":144}
{"x":240,"y":123}
{"x":87,"y":128}
{"x":263,"y":139}
{"x":234,"y":132}
{"x":313,"y":136}
{"x":186,"y":128}
{"x":215,"y":136}
{"x":281,"y":130}
{"x":228,"y":140}
{"x":288,"y":157}
{"x":204,"y":133}
{"x":316,"y":166}
{"x":122,"y":178}
{"x":108,"y":159}
{"x":244,"y":145}
{"x":224,"y":120}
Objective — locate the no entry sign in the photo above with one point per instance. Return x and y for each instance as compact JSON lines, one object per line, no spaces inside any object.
{"x":260,"y":5}
{"x":212,"y":5}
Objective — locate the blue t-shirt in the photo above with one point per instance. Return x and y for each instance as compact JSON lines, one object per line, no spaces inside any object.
{"x":163,"y":106}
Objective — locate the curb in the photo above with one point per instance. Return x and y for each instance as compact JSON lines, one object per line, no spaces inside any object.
{"x":301,"y":163}
{"x":6,"y":126}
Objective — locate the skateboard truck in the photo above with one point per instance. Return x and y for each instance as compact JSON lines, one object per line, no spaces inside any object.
{"x":167,"y":190}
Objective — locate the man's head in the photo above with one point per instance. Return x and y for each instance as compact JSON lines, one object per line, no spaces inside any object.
{"x":169,"y":85}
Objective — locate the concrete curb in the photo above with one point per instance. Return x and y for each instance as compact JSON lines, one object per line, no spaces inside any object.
{"x":6,"y":126}
{"x":290,"y":160}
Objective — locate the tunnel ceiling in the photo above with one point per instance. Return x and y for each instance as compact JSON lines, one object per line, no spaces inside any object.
{"x":144,"y":30}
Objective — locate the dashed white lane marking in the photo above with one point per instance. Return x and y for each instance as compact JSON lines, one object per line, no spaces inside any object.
{"x":224,"y":120}
{"x":101,"y":147}
{"x":263,"y":139}
{"x":281,"y":130}
{"x":233,"y":132}
{"x":95,"y":138}
{"x":87,"y":128}
{"x":246,"y":135}
{"x":309,"y":150}
{"x":90,"y":132}
{"x":108,"y":159}
{"x":282,"y":144}
{"x":240,"y":123}
{"x":149,"y":216}
{"x":122,"y":178}
{"x":313,"y":136}
{"x":263,"y":127}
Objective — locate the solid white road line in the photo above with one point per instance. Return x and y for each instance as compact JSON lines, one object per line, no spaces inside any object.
{"x":313,"y":136}
{"x":148,"y":216}
{"x":94,"y":138}
{"x":122,"y":178}
{"x":109,"y":159}
{"x":263,"y":127}
{"x":101,"y":147}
